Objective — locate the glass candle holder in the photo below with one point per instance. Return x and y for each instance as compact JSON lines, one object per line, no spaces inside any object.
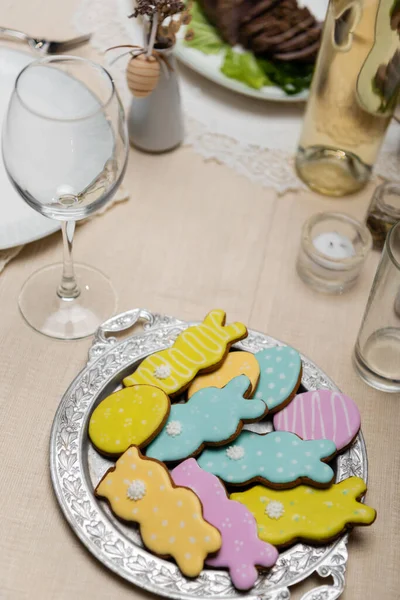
{"x":383,"y":212}
{"x":377,"y":350}
{"x":333,"y":249}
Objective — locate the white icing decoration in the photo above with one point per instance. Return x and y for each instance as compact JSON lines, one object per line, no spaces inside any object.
{"x":235,"y":452}
{"x":174,"y":428}
{"x":274,"y":509}
{"x":136,"y":490}
{"x":162,"y":371}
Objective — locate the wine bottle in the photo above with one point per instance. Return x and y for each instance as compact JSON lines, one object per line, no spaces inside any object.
{"x":353,"y":95}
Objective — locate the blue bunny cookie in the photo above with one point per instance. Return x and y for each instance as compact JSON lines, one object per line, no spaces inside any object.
{"x":280,"y":376}
{"x":211,"y":416}
{"x":278,"y":459}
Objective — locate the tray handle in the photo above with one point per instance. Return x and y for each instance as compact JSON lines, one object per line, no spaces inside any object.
{"x":120,"y":322}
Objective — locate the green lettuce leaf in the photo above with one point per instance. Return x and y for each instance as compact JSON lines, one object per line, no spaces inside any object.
{"x":201,"y":35}
{"x":292,"y":77}
{"x":245,"y":68}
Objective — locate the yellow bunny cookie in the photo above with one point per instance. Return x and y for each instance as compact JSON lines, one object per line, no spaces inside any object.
{"x":307,"y":513}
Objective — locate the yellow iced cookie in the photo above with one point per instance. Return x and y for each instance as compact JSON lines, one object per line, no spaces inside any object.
{"x":236,"y":363}
{"x":133,"y":415}
{"x":307,"y":513}
{"x":171,"y":520}
{"x":195,"y":349}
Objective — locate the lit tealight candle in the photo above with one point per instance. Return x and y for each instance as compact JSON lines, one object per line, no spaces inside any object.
{"x":334,"y":245}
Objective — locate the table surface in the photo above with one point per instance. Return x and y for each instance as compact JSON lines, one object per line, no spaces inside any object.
{"x":193,"y":236}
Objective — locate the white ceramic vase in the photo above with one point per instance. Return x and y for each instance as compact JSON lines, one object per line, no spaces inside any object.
{"x":155,"y":122}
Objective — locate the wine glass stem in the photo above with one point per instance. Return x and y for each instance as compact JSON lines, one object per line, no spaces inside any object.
{"x":68,"y":288}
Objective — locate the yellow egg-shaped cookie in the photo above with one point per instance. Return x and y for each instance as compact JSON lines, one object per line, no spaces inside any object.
{"x":132,"y":415}
{"x":236,"y":363}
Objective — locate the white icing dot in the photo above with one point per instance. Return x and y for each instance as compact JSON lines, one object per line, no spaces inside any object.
{"x":164,"y":523}
{"x":162,"y":488}
{"x":135,"y":511}
{"x":155,"y":509}
{"x":279,"y":455}
{"x":277,"y":439}
{"x":149,"y":473}
{"x":278,"y":359}
{"x":244,"y":467}
{"x":282,"y":376}
{"x":182,"y":524}
{"x":295,"y":443}
{"x":121,"y":410}
{"x":171,"y":539}
{"x":144,"y":422}
{"x":153,"y":536}
{"x":274,"y":509}
{"x":322,"y":445}
{"x":117,"y":442}
{"x":207,"y":538}
{"x":271,"y":386}
{"x":192,"y":540}
{"x":235,"y":452}
{"x":269,"y":370}
{"x":109,"y":482}
{"x":279,"y":470}
{"x":262,"y":469}
{"x":162,"y":371}
{"x":179,"y":503}
{"x":294,"y":462}
{"x":133,"y":466}
{"x":209,"y":464}
{"x":230,"y":477}
{"x":283,"y":390}
{"x":307,"y":453}
{"x":259,"y":395}
{"x":136,"y":490}
{"x":259,"y":453}
{"x":308,"y":467}
{"x":174,"y":428}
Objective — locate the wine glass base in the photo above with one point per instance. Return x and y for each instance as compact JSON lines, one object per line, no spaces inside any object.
{"x":66,"y":319}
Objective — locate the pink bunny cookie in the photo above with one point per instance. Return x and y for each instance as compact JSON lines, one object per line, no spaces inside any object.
{"x":241,"y":549}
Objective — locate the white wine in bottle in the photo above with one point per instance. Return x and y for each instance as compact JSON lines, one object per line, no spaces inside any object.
{"x":353,"y":95}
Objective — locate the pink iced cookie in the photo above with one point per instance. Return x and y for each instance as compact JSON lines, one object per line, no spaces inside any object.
{"x":322,"y":414}
{"x":241,"y":548}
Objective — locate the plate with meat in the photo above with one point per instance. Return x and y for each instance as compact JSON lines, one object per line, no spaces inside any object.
{"x":261,"y":48}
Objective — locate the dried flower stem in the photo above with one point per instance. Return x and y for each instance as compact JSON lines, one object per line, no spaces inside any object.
{"x":153,"y":32}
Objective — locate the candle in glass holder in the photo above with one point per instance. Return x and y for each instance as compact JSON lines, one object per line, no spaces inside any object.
{"x":332,"y":252}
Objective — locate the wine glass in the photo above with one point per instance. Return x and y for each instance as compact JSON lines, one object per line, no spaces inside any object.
{"x":65,"y":150}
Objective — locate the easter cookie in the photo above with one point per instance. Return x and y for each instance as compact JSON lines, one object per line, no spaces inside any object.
{"x":321,"y":414}
{"x":305,"y":513}
{"x":278,"y":459}
{"x":171,"y":521}
{"x":241,"y":549}
{"x":199,"y":348}
{"x":132,"y":415}
{"x":280,"y":376}
{"x":236,"y":363}
{"x":211,"y":416}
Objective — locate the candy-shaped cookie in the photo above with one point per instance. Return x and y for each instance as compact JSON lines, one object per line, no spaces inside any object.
{"x":130,"y":416}
{"x":211,"y":416}
{"x":170,"y":518}
{"x":305,"y":513}
{"x":278,"y":459}
{"x":241,"y":549}
{"x":199,"y":348}
{"x":321,"y":414}
{"x":236,"y":363}
{"x":280,"y":376}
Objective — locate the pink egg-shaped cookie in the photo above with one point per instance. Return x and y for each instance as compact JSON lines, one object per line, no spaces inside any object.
{"x":322,"y":414}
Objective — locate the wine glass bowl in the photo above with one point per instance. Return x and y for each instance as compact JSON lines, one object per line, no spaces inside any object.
{"x":65,"y":150}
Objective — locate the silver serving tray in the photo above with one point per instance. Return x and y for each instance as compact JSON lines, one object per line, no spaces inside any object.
{"x":76,"y":468}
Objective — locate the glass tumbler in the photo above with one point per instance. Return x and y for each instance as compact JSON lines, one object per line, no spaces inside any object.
{"x":377,"y":350}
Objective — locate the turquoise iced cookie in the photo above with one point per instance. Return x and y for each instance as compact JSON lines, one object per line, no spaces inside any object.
{"x":279,"y":458}
{"x":280,"y":375}
{"x":211,"y":415}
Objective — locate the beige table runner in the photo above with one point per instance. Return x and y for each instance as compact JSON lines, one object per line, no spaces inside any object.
{"x":192,"y":237}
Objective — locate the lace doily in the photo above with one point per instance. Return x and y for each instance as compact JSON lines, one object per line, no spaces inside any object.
{"x":255,"y":138}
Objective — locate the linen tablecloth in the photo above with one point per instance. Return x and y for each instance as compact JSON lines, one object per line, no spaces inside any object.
{"x":193,"y":236}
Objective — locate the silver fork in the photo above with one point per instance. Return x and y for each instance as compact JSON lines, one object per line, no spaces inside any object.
{"x":44,"y":46}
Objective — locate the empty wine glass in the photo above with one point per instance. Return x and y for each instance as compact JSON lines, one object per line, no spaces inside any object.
{"x":65,"y":150}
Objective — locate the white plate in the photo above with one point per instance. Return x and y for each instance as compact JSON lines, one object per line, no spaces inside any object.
{"x":19,"y":224}
{"x":209,"y":65}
